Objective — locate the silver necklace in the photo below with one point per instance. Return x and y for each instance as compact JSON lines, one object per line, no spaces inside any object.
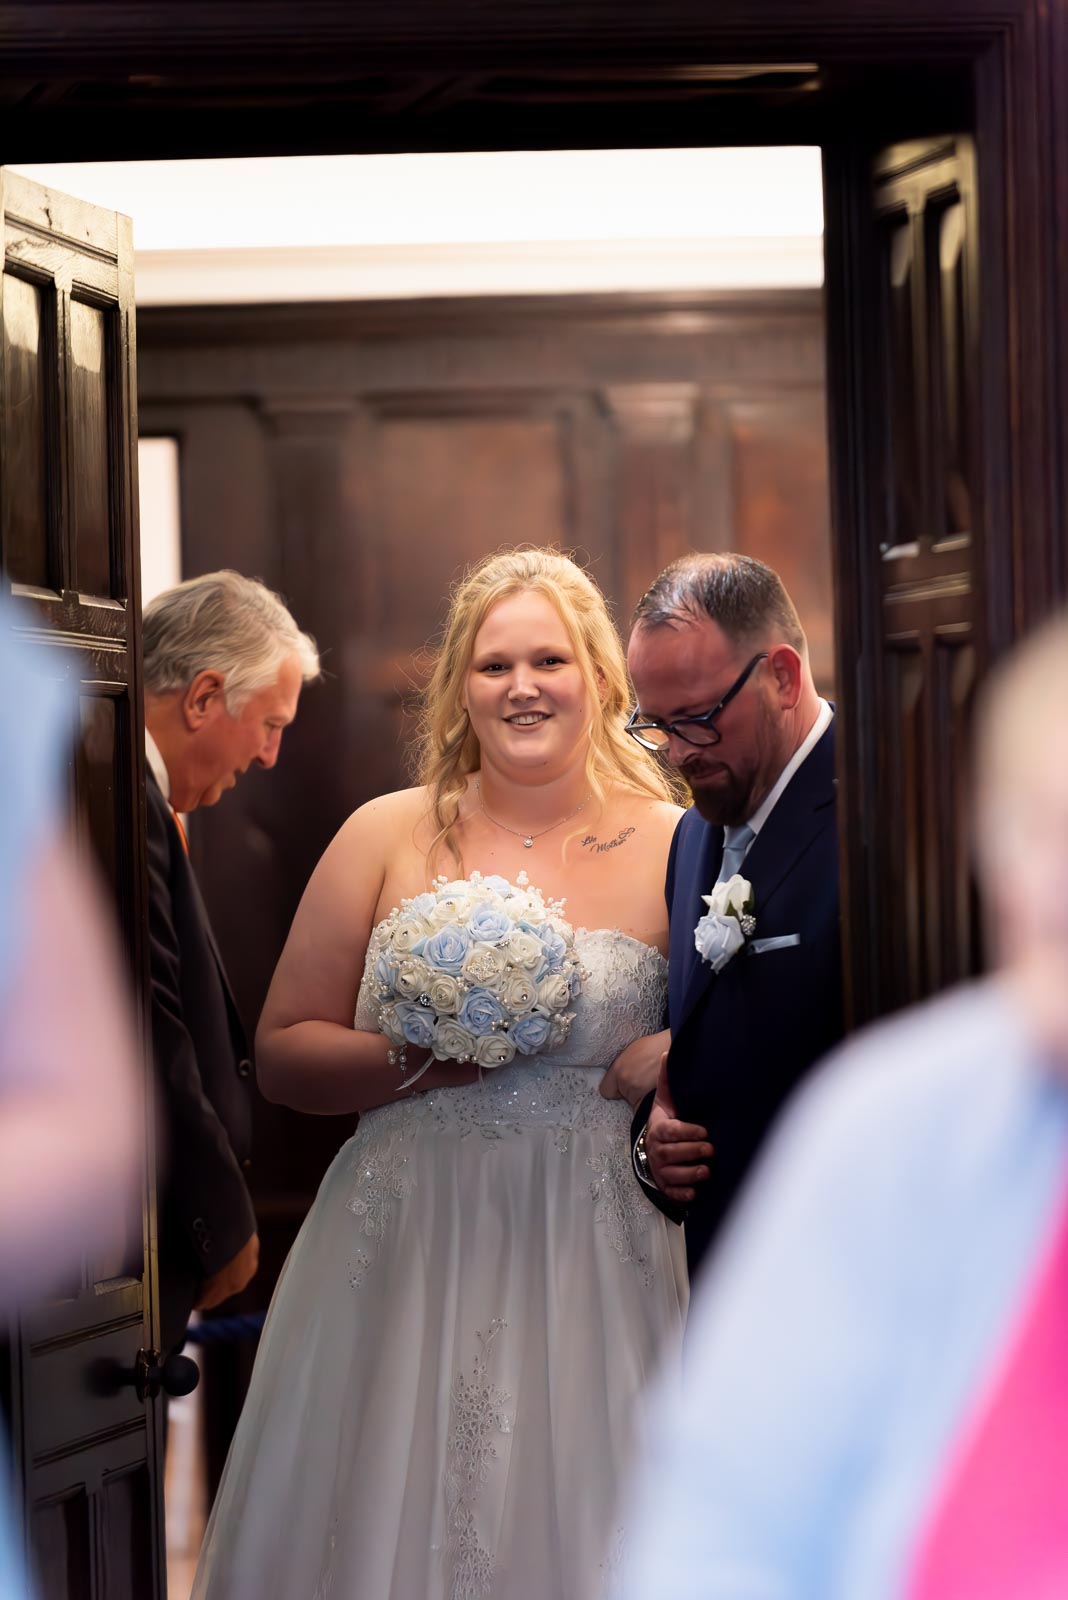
{"x":523,"y":833}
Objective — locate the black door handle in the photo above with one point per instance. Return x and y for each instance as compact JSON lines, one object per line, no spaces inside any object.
{"x":177,"y":1375}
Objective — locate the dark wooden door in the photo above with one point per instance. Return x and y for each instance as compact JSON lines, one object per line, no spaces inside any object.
{"x":920,"y":599}
{"x":87,"y":1444}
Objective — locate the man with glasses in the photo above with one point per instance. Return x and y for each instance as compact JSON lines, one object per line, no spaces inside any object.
{"x":726,"y":695}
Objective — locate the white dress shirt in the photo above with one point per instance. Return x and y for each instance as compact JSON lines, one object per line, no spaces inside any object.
{"x":154,"y":757}
{"x":824,"y":717}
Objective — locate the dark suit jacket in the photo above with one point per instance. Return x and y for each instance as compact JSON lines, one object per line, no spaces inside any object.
{"x":741,"y":1039}
{"x":202,"y":1073}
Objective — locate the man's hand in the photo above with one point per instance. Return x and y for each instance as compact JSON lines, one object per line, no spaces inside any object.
{"x":634,"y":1071}
{"x":676,"y":1150}
{"x":232,"y":1278}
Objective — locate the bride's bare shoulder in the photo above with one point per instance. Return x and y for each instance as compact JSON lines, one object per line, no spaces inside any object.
{"x":650,"y":817}
{"x":388,"y":819}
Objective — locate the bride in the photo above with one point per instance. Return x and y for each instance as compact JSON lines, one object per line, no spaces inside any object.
{"x":445,"y":1394}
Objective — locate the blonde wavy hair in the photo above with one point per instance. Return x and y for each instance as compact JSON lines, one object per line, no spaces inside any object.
{"x":448,"y":749}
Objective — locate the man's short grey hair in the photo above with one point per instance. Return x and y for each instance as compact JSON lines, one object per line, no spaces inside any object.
{"x":745,"y":598}
{"x":222,"y":622}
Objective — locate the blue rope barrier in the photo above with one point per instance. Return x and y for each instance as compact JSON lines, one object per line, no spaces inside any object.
{"x":224,"y":1330}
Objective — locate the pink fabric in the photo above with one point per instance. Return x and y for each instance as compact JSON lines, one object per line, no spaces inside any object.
{"x":999,"y":1529}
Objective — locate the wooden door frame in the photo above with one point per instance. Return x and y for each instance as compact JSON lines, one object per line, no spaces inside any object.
{"x":127,"y":55}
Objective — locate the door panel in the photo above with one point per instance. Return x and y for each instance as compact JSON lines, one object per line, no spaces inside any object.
{"x":903,"y":268}
{"x":87,"y":1445}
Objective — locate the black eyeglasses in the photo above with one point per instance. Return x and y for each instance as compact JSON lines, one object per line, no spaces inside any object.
{"x":653,"y":735}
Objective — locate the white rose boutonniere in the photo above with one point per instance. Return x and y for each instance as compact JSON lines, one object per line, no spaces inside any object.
{"x":727,"y":924}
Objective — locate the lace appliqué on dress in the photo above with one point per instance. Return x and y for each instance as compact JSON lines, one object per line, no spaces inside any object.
{"x":613,"y":1567}
{"x":621,"y":1208}
{"x":478,"y":1411}
{"x":384,"y":1176}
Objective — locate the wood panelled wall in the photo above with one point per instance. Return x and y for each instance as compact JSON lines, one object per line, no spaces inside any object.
{"x":358,"y":456}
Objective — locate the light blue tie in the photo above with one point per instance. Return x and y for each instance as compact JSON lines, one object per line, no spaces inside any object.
{"x":736,"y":842}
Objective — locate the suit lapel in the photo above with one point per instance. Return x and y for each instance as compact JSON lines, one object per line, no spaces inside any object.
{"x":795,"y":821}
{"x":705,"y":870}
{"x":185,"y":864}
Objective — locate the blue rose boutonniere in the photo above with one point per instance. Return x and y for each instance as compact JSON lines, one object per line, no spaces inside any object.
{"x":728,"y":923}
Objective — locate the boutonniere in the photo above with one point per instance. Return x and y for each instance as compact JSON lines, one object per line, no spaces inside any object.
{"x":728,"y":923}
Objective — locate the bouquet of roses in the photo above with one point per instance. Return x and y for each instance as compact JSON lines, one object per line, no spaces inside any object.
{"x":477,"y":970}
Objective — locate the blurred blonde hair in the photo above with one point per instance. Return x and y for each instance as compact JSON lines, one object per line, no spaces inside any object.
{"x":448,"y":747}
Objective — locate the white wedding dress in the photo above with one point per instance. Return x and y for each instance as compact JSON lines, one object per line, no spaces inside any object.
{"x":445,"y":1399}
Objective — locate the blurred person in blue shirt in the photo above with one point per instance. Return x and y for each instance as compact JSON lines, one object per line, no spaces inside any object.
{"x":847,"y":1350}
{"x":71,"y":1118}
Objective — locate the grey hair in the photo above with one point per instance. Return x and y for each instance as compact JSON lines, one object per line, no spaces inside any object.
{"x":745,"y":598}
{"x":222,"y":622}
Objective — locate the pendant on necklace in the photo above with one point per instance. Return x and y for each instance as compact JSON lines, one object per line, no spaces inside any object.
{"x":529,"y":843}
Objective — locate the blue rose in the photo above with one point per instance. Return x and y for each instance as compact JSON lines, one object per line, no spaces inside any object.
{"x":447,"y":949}
{"x":481,"y":1012}
{"x":576,"y":983}
{"x":489,"y":925}
{"x":499,"y":885}
{"x":530,"y":1033}
{"x":386,"y":970}
{"x":555,"y":946}
{"x":417,"y":1024}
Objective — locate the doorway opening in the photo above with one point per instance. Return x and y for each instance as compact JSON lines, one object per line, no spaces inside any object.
{"x":470,"y":350}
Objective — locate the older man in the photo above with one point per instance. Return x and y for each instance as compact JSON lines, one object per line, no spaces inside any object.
{"x":877,"y":1400}
{"x":224,"y":667}
{"x":725,"y":690}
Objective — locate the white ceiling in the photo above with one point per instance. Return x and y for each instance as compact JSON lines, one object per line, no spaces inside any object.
{"x":465,"y":222}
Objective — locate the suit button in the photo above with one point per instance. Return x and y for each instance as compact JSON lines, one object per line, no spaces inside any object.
{"x":246,"y":1165}
{"x":205,"y":1245}
{"x":244,"y":1068}
{"x":199,"y":1225}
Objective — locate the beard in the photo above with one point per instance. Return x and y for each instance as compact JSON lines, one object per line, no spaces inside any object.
{"x":726,"y":795}
{"x":727,"y":801}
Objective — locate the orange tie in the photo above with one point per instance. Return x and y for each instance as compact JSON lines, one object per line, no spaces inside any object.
{"x":181,"y":830}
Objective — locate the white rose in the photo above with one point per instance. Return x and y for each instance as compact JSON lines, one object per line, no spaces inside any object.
{"x":445,"y":992}
{"x":554,"y":992}
{"x":525,"y":949}
{"x":452,"y":1042}
{"x":732,"y":895}
{"x":718,"y":939}
{"x":486,"y":967}
{"x":413,"y":979}
{"x":518,"y":993}
{"x":408,"y":933}
{"x":494,"y":1050}
{"x":450,"y":908}
{"x":522,"y":904}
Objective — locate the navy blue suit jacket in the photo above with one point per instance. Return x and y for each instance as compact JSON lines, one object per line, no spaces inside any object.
{"x":741,"y":1039}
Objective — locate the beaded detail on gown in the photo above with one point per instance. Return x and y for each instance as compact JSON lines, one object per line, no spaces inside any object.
{"x":446,"y":1390}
